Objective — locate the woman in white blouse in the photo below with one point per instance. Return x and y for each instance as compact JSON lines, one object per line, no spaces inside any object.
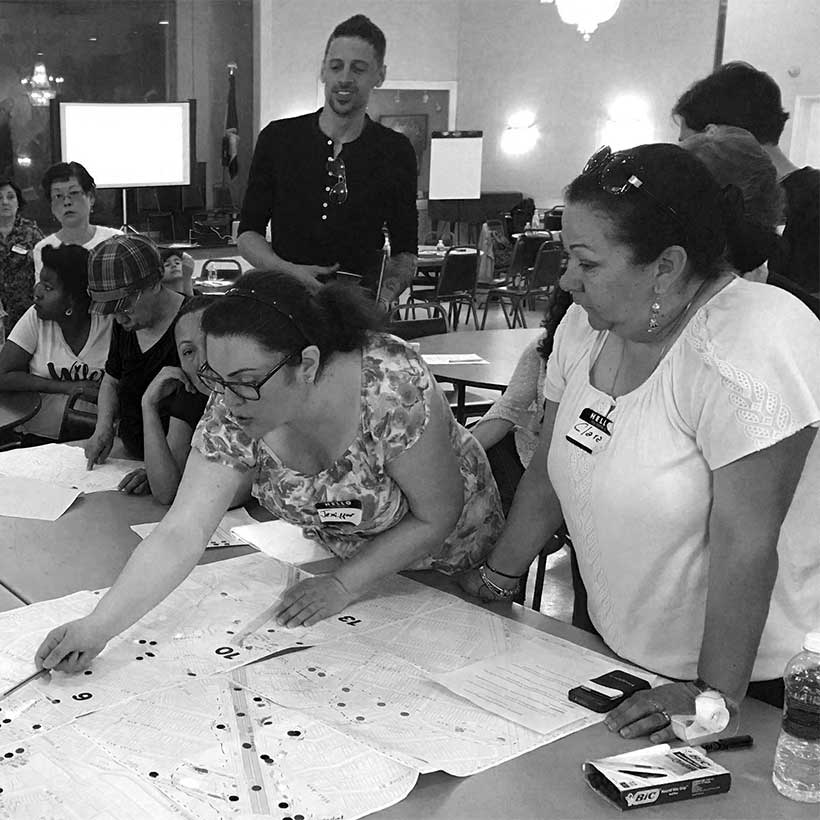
{"x":680,"y":402}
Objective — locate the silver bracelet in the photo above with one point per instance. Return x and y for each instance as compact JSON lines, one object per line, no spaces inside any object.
{"x":499,"y":592}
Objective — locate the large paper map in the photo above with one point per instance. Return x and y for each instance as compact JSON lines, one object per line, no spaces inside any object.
{"x":192,"y":713}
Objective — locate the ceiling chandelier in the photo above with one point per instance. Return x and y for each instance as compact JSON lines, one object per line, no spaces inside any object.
{"x":587,"y":15}
{"x":42,"y":86}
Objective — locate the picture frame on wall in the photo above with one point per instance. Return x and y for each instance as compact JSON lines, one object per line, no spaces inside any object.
{"x":413,"y":126}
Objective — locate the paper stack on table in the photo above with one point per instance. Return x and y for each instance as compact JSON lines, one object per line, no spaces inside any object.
{"x":453,"y":358}
{"x":30,"y":498}
{"x":65,"y":465}
{"x":223,"y":536}
{"x":283,"y":541}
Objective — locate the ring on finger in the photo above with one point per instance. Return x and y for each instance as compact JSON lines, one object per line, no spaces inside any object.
{"x":667,"y":721}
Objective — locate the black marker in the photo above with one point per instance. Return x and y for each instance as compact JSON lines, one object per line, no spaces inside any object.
{"x":728,"y":743}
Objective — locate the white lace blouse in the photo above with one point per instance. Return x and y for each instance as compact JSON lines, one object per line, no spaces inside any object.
{"x":744,"y":374}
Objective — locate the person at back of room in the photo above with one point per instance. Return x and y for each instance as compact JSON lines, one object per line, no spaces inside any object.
{"x":71,"y":191}
{"x":18,"y":236}
{"x":57,"y":348}
{"x":734,"y":157}
{"x":125,"y":280}
{"x":329,"y":181}
{"x":741,"y":95}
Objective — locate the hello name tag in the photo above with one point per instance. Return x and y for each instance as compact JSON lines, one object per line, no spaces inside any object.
{"x":591,"y":432}
{"x":19,"y":249}
{"x":340,"y":512}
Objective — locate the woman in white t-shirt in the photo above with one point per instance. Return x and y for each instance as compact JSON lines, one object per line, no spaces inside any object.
{"x":680,"y":402}
{"x":57,"y":347}
{"x":70,"y":189}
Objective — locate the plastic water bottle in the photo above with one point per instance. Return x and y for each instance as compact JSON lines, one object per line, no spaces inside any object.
{"x":796,"y":771}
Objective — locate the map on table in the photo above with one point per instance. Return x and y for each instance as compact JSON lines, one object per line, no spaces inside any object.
{"x":192,"y":713}
{"x":65,"y":465}
{"x":223,"y":535}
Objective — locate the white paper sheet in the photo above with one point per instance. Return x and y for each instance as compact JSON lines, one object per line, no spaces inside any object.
{"x":282,"y":541}
{"x":223,"y":536}
{"x":66,"y":465}
{"x":453,"y":358}
{"x":529,"y":684}
{"x":30,"y":498}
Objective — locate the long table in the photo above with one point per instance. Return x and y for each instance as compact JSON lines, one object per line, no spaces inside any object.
{"x":88,"y":545}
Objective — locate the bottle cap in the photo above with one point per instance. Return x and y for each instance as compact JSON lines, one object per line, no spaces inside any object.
{"x":811,"y":642}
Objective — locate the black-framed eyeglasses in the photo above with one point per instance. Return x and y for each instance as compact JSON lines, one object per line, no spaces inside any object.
{"x":336,"y":168}
{"x":127,"y":311}
{"x":249,"y":391}
{"x":620,"y":172}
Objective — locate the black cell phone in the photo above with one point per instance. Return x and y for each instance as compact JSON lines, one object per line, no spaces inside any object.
{"x":623,"y":684}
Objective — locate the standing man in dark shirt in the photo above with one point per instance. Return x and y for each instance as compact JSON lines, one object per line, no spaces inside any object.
{"x":329,"y":181}
{"x":739,"y":94}
{"x":124,"y":278}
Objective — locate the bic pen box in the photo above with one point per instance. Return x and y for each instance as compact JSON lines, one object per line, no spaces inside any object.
{"x":655,"y":775}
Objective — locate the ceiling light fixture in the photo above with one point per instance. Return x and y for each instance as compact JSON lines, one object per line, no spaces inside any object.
{"x":586,"y":15}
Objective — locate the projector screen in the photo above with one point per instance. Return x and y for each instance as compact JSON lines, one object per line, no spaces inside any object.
{"x":455,"y":165}
{"x":129,"y":145}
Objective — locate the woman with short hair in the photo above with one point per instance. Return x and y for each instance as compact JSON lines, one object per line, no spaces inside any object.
{"x":57,"y":348}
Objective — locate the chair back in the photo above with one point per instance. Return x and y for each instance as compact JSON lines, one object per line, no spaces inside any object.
{"x":76,"y":424}
{"x":524,"y":252}
{"x":401,"y":324}
{"x":459,"y":272}
{"x":547,"y":267}
{"x":809,"y":300}
{"x":226,"y":269}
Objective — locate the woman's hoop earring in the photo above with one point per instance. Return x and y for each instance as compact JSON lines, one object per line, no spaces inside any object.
{"x":69,"y":311}
{"x":654,"y":313}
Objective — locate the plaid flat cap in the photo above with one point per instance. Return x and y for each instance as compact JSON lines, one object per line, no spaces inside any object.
{"x":120,"y":267}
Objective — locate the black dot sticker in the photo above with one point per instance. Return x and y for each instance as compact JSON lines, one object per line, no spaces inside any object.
{"x":191,"y":674}
{"x":345,"y":689}
{"x":283,"y":805}
{"x":153,"y":774}
{"x":311,"y":668}
{"x":271,"y":630}
{"x":381,"y":703}
{"x":405,"y":714}
{"x":229,"y":632}
{"x":9,"y":754}
{"x":240,"y":714}
{"x":141,"y":640}
{"x":298,"y":817}
{"x":87,"y":672}
{"x":246,"y":745}
{"x":342,"y":705}
{"x":320,"y":675}
{"x":258,"y":699}
{"x":359,"y":717}
{"x":6,"y":720}
{"x":233,"y":798}
{"x":36,"y":726}
{"x":220,"y":725}
{"x":294,"y":733}
{"x":149,"y":654}
{"x":19,"y":751}
{"x":152,"y":643}
{"x":256,"y":788}
{"x":139,"y":657}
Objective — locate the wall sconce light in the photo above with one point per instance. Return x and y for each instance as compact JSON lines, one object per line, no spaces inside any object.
{"x":628,"y":123}
{"x":520,"y":135}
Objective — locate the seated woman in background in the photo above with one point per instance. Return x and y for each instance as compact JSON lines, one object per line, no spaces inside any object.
{"x":177,"y":270}
{"x":18,"y":236}
{"x":70,"y":189}
{"x":346,"y":434}
{"x":508,"y":431}
{"x":734,"y":157}
{"x":165,"y":455}
{"x":680,"y":402}
{"x":57,"y":347}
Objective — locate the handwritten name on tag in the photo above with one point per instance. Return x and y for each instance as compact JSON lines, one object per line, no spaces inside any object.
{"x":340,"y":512}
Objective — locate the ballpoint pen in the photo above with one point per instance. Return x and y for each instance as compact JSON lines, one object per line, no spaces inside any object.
{"x":38,"y":674}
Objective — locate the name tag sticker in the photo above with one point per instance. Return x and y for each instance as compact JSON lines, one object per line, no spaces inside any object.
{"x":591,"y":431}
{"x":340,"y":512}
{"x":19,"y":249}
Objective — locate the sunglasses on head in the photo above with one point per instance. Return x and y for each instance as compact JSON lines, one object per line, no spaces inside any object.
{"x":620,"y":172}
{"x":336,"y":168}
